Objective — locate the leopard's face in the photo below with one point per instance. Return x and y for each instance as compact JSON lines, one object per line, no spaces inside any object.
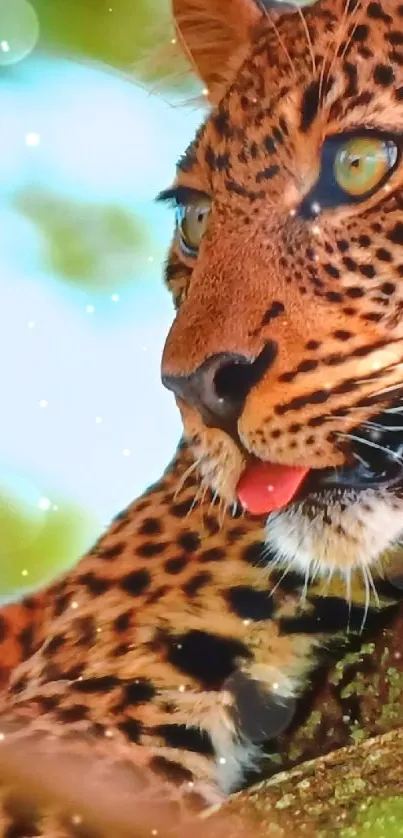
{"x":287,"y":271}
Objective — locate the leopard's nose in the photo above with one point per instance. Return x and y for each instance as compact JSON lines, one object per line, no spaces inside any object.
{"x":219,"y":387}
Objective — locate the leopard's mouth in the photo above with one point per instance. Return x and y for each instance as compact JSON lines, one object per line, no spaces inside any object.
{"x":375,"y":461}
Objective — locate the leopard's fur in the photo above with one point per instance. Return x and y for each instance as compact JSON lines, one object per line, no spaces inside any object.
{"x":139,"y":656}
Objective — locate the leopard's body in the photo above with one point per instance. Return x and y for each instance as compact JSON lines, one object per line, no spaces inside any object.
{"x":142,"y":654}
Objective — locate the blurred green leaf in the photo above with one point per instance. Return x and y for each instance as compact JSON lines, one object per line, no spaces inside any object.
{"x":93,"y":245}
{"x":38,"y":544}
{"x":382,"y":819}
{"x":115,"y":31}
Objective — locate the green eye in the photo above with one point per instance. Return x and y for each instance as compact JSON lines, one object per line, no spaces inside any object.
{"x":192,"y":221}
{"x":362,"y":163}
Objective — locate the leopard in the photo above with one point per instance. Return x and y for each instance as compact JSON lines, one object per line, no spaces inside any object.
{"x":185,"y":638}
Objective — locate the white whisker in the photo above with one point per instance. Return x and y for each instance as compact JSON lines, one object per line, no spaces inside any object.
{"x":371,"y":444}
{"x":367,"y":597}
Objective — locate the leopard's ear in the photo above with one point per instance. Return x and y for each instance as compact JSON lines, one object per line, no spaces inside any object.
{"x":212,"y":32}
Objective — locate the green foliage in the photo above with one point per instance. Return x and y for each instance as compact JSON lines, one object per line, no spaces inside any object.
{"x":382,"y":819}
{"x":93,"y":245}
{"x":36,"y":544}
{"x":118,"y":32}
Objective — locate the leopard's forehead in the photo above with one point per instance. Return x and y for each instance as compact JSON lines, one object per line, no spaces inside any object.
{"x":337,"y":66}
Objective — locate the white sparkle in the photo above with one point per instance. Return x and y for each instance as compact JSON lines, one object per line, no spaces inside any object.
{"x":275,"y":685}
{"x":55,"y":508}
{"x":45,"y":504}
{"x":76,"y":820}
{"x":316,"y":230}
{"x":115,"y":298}
{"x":179,"y":645}
{"x":90,"y":309}
{"x":246,"y":622}
{"x":126,"y":452}
{"x":74,"y":605}
{"x":174,"y":41}
{"x":4,"y":46}
{"x":182,"y":688}
{"x":24,"y":572}
{"x":315,"y":207}
{"x":205,"y":91}
{"x":109,"y":733}
{"x":293,"y":212}
{"x":99,"y":631}
{"x":150,"y":259}
{"x":31,"y":324}
{"x":190,"y":784}
{"x":98,"y":420}
{"x":269,"y":488}
{"x":154,"y":832}
{"x":222,"y":761}
{"x":32,"y":139}
{"x":43,"y":403}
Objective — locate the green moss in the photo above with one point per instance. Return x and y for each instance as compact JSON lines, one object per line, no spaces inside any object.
{"x":383,"y":819}
{"x":345,"y":789}
{"x":351,"y":659}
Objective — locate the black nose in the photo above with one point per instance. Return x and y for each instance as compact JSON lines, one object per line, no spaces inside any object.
{"x":219,"y":387}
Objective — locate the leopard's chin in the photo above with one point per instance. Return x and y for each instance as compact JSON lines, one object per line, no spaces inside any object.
{"x":337,"y":530}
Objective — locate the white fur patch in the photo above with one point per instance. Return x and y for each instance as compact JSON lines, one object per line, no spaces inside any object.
{"x":338,"y":532}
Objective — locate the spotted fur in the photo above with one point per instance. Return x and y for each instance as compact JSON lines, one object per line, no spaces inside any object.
{"x":165,"y":652}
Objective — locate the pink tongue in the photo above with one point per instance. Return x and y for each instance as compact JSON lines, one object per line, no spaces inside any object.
{"x":265,"y":487}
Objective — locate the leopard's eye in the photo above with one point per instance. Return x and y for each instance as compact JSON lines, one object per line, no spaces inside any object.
{"x":362,"y":163}
{"x":352,"y":168}
{"x":192,"y":220}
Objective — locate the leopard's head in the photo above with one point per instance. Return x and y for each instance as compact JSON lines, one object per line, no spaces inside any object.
{"x":286,"y":352}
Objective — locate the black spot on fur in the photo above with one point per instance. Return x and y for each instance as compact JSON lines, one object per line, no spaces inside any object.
{"x":214,"y":554}
{"x":253,"y":553}
{"x":139,"y":692}
{"x":249,"y":603}
{"x":172,"y":771}
{"x":109,"y":553}
{"x":103,"y":684}
{"x":383,"y":75}
{"x":135,"y":583}
{"x":205,"y":656}
{"x":97,"y":585}
{"x":132,"y":729}
{"x":194,"y":585}
{"x":189,"y":541}
{"x":310,"y":106}
{"x":186,"y":738}
{"x":150,"y":526}
{"x":176,"y":564}
{"x":122,"y":621}
{"x":150,"y":549}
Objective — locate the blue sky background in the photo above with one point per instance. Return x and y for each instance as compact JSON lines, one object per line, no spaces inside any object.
{"x":85,"y":423}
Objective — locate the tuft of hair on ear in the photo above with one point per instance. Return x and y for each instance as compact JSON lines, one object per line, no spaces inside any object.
{"x":162,"y":66}
{"x":214,"y":36}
